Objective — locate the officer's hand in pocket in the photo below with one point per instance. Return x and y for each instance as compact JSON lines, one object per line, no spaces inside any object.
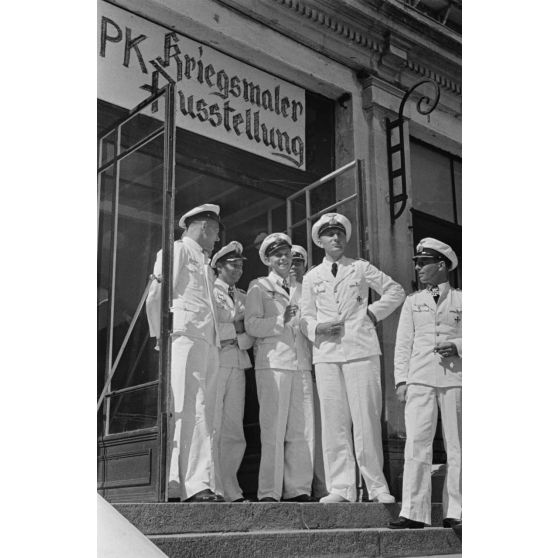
{"x":329,"y":328}
{"x":446,"y":349}
{"x":372,"y":317}
{"x":290,"y":312}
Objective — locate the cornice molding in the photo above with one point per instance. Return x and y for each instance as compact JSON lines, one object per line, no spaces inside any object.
{"x":382,"y":51}
{"x":347,"y":31}
{"x":342,"y":29}
{"x":441,"y":80}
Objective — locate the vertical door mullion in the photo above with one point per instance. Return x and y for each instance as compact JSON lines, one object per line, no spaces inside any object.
{"x":308,"y":227}
{"x":112,"y":285}
{"x":166,"y":286}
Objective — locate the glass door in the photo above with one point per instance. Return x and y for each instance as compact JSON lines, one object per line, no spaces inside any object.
{"x":307,"y":205}
{"x":135,"y":215}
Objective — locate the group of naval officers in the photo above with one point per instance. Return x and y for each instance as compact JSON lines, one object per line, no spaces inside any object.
{"x":317,"y":369}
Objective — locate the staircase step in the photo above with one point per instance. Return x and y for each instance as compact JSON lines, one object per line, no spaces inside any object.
{"x":182,"y":518}
{"x":338,"y":543}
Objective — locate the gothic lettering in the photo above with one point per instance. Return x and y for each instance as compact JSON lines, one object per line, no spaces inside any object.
{"x":105,"y":37}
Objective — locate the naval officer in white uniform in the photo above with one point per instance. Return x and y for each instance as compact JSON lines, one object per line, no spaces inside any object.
{"x":341,"y":325}
{"x":427,"y":369}
{"x":283,"y":378}
{"x":233,"y":360}
{"x":195,"y":360}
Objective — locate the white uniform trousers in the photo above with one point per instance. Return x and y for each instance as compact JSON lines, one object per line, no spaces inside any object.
{"x":287,"y":433}
{"x":230,"y":443}
{"x":319,"y":486}
{"x":194,"y":365}
{"x":351,"y":393}
{"x":421,"y":416}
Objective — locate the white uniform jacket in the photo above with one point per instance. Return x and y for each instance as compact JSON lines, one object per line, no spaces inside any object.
{"x":422,"y":325}
{"x":234,"y":345}
{"x":326,"y":298}
{"x":193,"y":306}
{"x":277,"y":345}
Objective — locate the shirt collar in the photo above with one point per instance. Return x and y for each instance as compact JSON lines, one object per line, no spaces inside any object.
{"x":442,"y":287}
{"x":276,"y":278}
{"x":193,"y":244}
{"x":196,"y":247}
{"x":327,"y":260}
{"x":220,"y":283}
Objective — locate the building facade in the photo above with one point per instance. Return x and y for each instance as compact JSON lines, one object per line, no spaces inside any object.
{"x":256,"y":102}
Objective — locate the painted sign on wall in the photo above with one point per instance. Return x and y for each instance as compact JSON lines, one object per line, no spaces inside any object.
{"x":216,"y":96}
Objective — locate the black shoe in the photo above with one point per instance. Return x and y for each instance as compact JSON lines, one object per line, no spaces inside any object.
{"x":240,"y":500}
{"x":300,"y":498}
{"x":176,"y":499}
{"x":267,"y":499}
{"x":205,"y":496}
{"x":450,"y":522}
{"x":404,"y":523}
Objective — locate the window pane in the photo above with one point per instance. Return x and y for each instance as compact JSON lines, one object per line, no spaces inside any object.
{"x":141,"y":125}
{"x":140,"y":207}
{"x":133,"y":410}
{"x":457,"y":178}
{"x":107,"y":149}
{"x":431,"y":182}
{"x":106,"y":195}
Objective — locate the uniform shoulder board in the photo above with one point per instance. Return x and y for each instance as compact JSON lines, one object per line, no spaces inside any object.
{"x":241,"y":291}
{"x":363,"y":260}
{"x":257,"y":281}
{"x":457,"y":289}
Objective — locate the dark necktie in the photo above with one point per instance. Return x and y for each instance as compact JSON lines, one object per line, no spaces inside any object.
{"x":435,"y":292}
{"x":231,"y":293}
{"x":334,"y":269}
{"x":285,"y":285}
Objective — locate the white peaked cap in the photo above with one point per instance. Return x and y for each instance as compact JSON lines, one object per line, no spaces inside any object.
{"x":271,"y":242}
{"x":207,"y":208}
{"x":329,"y":220}
{"x":430,"y":247}
{"x":297,"y":250}
{"x":233,"y":247}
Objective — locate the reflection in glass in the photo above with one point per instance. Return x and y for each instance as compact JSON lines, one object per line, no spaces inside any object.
{"x":133,"y":410}
{"x":107,"y":148}
{"x":141,"y":125}
{"x":431,"y":182}
{"x":106,"y":215}
{"x":140,"y":206}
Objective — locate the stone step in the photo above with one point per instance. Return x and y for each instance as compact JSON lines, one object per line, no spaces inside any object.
{"x":328,"y":543}
{"x":183,"y":518}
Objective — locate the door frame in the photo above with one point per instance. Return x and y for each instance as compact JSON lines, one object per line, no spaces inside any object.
{"x":132,"y":466}
{"x":358,"y":176}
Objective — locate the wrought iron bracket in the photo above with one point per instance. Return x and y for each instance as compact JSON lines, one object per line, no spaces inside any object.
{"x":425,"y":105}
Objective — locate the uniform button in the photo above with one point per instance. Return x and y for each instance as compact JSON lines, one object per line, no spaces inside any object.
{"x":438,"y":323}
